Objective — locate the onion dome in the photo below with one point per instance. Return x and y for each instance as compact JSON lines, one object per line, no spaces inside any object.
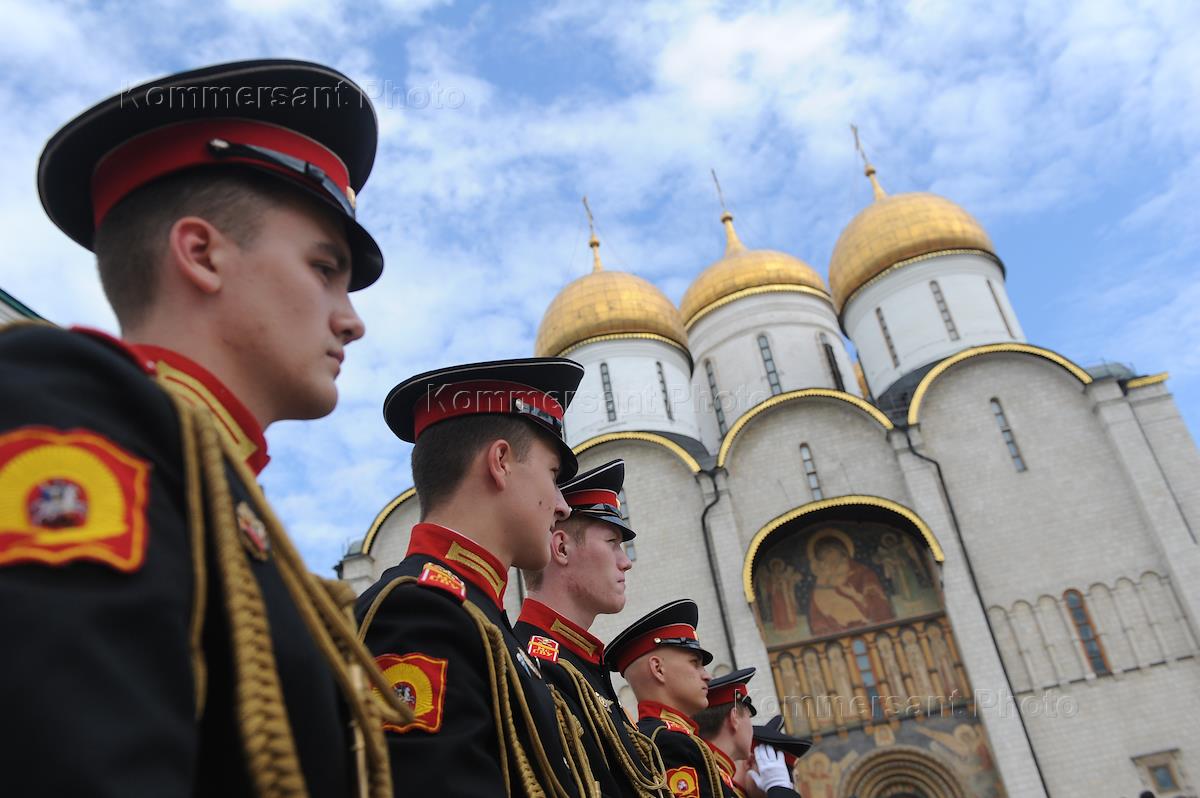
{"x":893,"y":231}
{"x":603,"y":305}
{"x":741,"y":272}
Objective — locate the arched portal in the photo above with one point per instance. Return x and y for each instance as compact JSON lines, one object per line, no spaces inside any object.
{"x":847,"y":597}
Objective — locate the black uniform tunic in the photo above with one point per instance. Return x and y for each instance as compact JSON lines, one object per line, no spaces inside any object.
{"x":691,"y":766}
{"x":585,"y":652}
{"x":98,"y":585}
{"x":431,"y":650}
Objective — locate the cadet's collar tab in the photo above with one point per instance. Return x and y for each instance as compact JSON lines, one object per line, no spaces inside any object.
{"x":675,"y":720}
{"x":583,"y":644}
{"x":724,"y":763}
{"x":463,"y":556}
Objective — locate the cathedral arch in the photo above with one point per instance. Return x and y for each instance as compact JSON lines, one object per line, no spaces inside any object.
{"x":901,"y":771}
{"x":645,"y":437}
{"x":377,"y":524}
{"x":791,"y":396}
{"x":914,"y":408}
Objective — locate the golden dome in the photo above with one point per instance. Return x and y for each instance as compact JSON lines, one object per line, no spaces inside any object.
{"x":746,"y":270}
{"x":605,"y":303}
{"x":898,"y":228}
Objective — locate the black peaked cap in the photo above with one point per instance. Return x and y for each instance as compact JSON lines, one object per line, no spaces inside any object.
{"x":608,"y":477}
{"x":680,"y":611}
{"x":315,"y":101}
{"x":771,"y":733}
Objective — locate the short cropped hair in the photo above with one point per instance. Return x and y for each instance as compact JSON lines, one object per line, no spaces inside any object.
{"x":132,"y":239}
{"x":576,"y":526}
{"x":446,"y":449}
{"x":708,"y":721}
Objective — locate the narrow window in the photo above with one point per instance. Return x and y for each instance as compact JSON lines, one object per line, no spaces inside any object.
{"x":870,"y":683}
{"x":630,"y":551}
{"x":716,"y":398}
{"x":944,"y":310}
{"x":1087,"y":633}
{"x":1000,"y":309}
{"x":887,"y":337}
{"x":831,"y":359}
{"x":810,"y":472}
{"x":1007,"y":434}
{"x":662,"y":383}
{"x":764,"y":348}
{"x":609,"y":404}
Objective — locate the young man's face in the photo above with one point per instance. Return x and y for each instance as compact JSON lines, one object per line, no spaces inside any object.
{"x":289,"y":316}
{"x":534,"y":504}
{"x":686,"y":678}
{"x":596,"y":565}
{"x":743,"y":738}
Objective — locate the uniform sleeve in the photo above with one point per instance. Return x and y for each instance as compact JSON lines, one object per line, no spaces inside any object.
{"x":685,"y":766}
{"x":429,"y":649}
{"x":95,"y":576}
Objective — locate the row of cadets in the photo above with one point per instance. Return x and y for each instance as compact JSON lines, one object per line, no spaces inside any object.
{"x":488,"y":458}
{"x":585,"y":578}
{"x":161,"y":634}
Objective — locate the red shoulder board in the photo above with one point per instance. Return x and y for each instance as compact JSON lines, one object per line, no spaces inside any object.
{"x":683,"y":782}
{"x":442,"y":578}
{"x":543,"y":648}
{"x":74,"y":495}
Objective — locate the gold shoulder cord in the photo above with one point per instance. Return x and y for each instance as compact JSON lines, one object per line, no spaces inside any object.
{"x":262,"y":716}
{"x":505,"y":684}
{"x":604,"y":728}
{"x":710,"y":761}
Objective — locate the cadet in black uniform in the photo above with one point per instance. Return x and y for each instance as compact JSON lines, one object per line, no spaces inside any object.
{"x":662,"y":661}
{"x":584,"y":578}
{"x":161,"y":635}
{"x":489,"y":454}
{"x":727,"y":726}
{"x":772,"y":743}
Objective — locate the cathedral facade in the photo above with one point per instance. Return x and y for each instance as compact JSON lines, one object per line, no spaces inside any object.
{"x":963,"y":564}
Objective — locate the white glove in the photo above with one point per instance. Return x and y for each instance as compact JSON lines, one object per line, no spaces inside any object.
{"x":771,"y":770}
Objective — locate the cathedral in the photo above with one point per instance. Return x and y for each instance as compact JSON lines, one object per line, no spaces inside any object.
{"x":962,"y":563}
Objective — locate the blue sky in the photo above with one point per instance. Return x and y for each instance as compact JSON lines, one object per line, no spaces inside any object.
{"x":1070,"y":130}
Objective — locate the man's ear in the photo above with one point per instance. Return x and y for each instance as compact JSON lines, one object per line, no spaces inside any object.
{"x":498,"y":457}
{"x":654,"y":664}
{"x":560,"y":545}
{"x":200,"y":253}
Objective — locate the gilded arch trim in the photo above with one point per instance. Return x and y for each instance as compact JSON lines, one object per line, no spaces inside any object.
{"x":770,"y":288}
{"x":644,"y":437}
{"x":634,"y":336}
{"x":1142,"y":382}
{"x":914,"y":409}
{"x":791,"y":396}
{"x":761,"y":536}
{"x":387,"y":510}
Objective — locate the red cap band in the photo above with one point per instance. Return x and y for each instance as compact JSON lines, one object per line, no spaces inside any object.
{"x":478,"y":397}
{"x":585,"y":498}
{"x":726,"y":693}
{"x":650,"y":641}
{"x":169,"y":149}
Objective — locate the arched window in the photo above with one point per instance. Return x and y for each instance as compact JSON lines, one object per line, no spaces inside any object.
{"x":630,"y":551}
{"x":1087,"y":632}
{"x":810,"y":472}
{"x":944,"y":310}
{"x":887,"y":337}
{"x":610,"y":405}
{"x":764,"y":348}
{"x":1000,"y":309}
{"x":662,"y":383}
{"x":831,"y":359}
{"x":716,"y":397}
{"x":1007,"y":434}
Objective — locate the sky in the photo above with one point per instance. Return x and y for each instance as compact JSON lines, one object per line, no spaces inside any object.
{"x":1069,"y":130}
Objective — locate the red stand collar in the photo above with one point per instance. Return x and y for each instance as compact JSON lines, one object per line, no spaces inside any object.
{"x":464,"y":556}
{"x":675,"y":720}
{"x":726,"y":765}
{"x":570,"y":634}
{"x":198,"y":387}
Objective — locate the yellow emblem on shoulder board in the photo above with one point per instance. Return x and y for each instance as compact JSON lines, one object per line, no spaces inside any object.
{"x":74,"y":495}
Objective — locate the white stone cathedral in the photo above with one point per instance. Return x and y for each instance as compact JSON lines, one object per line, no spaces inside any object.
{"x":964,"y":565}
